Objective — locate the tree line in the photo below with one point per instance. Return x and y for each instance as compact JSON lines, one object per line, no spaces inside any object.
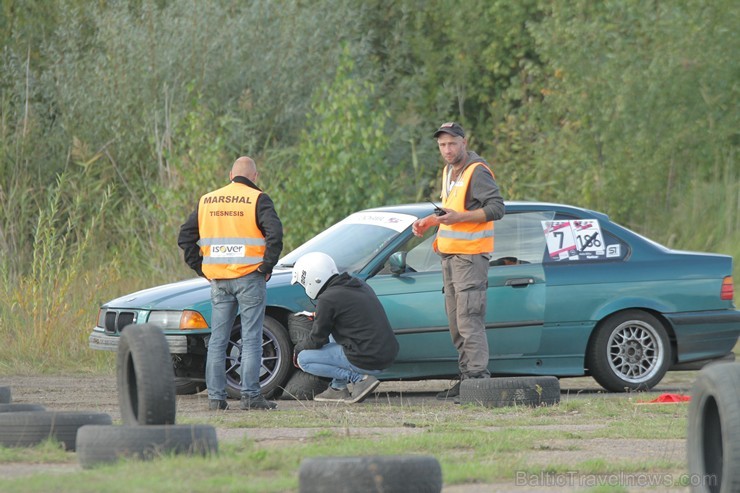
{"x":115,"y":116}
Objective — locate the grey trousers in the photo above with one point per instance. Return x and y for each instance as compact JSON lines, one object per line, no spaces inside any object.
{"x":465,"y":282}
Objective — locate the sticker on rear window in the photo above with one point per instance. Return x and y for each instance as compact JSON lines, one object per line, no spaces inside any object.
{"x":574,"y":239}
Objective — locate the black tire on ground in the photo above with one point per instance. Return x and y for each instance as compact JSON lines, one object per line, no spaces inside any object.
{"x":304,"y":386}
{"x":145,"y":377}
{"x":299,"y":327}
{"x":389,"y":474}
{"x":28,"y":428}
{"x":713,"y":439}
{"x":18,"y":407}
{"x":186,"y":386}
{"x":106,"y":444}
{"x":277,"y":359}
{"x":510,"y":391}
{"x":5,"y":395}
{"x":629,"y":351}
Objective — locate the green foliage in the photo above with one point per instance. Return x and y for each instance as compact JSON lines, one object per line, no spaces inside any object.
{"x":36,"y":307}
{"x":341,"y":166}
{"x":636,"y":94}
{"x":626,"y":107}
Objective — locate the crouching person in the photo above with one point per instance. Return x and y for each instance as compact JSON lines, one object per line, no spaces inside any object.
{"x":351,"y":340}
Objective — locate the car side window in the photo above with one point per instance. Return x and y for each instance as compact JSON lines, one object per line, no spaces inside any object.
{"x":420,"y":256}
{"x":518,"y":239}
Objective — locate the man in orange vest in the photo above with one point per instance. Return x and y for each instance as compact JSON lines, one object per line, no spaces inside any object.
{"x":471,"y":201}
{"x":234,"y":239}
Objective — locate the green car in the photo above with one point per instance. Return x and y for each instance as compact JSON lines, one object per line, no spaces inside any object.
{"x":570,"y":293}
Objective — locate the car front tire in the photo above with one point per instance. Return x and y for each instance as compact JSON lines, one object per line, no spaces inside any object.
{"x":277,"y":358}
{"x":630,"y":351}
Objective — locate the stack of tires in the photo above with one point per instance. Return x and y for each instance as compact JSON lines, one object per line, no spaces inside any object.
{"x":26,"y":425}
{"x":302,"y":385}
{"x":147,"y":398}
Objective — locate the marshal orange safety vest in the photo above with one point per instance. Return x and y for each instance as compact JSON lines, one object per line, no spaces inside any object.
{"x":231,"y":243}
{"x":463,"y":238}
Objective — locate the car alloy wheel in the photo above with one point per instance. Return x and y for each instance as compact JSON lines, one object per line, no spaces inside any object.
{"x":630,"y":351}
{"x":276,"y":358}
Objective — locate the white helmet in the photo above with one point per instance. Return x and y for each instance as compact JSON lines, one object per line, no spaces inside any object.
{"x":312,"y":271}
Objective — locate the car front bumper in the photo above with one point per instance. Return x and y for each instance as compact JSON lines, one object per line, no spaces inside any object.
{"x":99,"y":340}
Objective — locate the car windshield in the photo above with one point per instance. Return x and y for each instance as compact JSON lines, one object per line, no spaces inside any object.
{"x":355,"y":240}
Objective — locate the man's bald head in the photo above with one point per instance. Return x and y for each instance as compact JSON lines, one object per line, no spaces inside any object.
{"x":244,"y":166}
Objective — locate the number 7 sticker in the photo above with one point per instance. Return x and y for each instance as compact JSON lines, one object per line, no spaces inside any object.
{"x":561,"y":242}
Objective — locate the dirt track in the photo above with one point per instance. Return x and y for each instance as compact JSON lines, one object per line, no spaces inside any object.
{"x":99,"y":394}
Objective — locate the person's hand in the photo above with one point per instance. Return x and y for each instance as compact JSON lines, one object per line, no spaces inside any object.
{"x":295,"y":359}
{"x":451,"y":217}
{"x":267,"y":275}
{"x":308,"y":315}
{"x":421,"y":225}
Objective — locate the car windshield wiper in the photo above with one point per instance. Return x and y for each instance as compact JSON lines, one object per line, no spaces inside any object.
{"x":286,"y":265}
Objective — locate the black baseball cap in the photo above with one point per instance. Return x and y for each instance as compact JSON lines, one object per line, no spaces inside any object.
{"x":451,"y":128}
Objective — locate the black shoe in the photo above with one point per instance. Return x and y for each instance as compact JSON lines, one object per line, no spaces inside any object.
{"x":258,"y":402}
{"x":217,"y":405}
{"x":454,"y":391}
{"x":361,"y":389}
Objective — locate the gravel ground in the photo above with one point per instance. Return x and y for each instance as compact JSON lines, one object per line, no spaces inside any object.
{"x":99,"y":394}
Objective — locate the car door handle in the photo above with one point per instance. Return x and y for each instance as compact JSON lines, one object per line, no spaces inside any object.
{"x":519,"y":282}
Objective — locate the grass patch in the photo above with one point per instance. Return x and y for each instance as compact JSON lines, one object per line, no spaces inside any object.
{"x":474,"y":445}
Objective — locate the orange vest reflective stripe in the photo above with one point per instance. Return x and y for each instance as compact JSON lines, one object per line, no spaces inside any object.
{"x":463,"y":238}
{"x":231,"y":243}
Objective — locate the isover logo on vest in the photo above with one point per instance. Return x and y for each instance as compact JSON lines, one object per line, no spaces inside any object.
{"x":227,"y":250}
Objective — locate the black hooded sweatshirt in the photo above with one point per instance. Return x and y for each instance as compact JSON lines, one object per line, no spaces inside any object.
{"x":349,"y":310}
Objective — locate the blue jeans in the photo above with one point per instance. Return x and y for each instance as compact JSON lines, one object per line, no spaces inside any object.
{"x":248,"y":295}
{"x":330,"y":361}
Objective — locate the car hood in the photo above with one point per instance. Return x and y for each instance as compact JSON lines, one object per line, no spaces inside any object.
{"x":189,"y":293}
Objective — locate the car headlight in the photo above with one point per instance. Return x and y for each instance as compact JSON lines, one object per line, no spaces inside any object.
{"x":101,"y":317}
{"x":178,"y":320}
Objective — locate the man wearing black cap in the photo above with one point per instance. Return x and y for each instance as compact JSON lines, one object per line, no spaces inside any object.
{"x":471,"y":202}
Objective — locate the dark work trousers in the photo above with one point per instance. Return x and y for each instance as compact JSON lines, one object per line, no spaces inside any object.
{"x":465,"y":282}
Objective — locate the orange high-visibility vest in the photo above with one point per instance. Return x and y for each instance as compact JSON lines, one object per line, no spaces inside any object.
{"x":463,"y":238}
{"x":231,"y":243}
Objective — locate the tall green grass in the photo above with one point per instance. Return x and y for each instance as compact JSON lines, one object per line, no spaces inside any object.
{"x":47,"y":312}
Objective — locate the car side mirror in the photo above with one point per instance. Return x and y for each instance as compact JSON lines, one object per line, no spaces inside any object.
{"x":398,"y":263}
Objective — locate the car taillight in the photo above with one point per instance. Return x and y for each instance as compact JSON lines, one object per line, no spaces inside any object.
{"x":728,"y":290}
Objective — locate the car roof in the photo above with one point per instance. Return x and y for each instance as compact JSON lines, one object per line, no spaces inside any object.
{"x":421,"y":209}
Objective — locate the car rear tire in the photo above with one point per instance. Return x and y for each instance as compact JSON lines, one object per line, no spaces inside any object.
{"x":186,"y":386}
{"x":389,"y":474}
{"x":277,"y":359}
{"x":629,"y":351}
{"x":5,"y":395}
{"x":25,"y":429}
{"x":106,"y":444}
{"x":145,"y":377}
{"x":510,"y":391}
{"x":713,"y":438}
